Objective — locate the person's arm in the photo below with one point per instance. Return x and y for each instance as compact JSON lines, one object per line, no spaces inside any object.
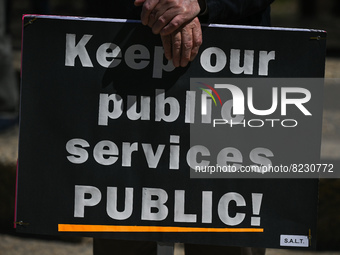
{"x":166,"y":16}
{"x":177,"y":23}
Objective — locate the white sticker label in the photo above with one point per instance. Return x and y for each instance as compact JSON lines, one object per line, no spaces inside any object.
{"x":294,"y":241}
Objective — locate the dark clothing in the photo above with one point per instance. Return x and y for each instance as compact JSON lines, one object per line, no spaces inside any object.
{"x":240,"y":12}
{"x":118,"y":9}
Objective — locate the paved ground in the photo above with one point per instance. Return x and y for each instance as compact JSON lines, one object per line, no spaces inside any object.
{"x":11,"y":245}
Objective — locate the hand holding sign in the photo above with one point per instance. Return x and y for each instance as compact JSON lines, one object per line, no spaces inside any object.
{"x":182,"y":46}
{"x":166,"y":16}
{"x":178,"y":25}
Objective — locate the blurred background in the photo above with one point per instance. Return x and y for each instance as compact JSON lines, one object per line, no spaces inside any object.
{"x":313,"y":14}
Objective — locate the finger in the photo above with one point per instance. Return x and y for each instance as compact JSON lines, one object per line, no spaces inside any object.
{"x":197,"y":41}
{"x":161,"y":19}
{"x":160,"y":16}
{"x":172,"y":25}
{"x":186,"y":46}
{"x":180,"y":14}
{"x":148,"y":7}
{"x":166,"y":40}
{"x":176,"y":42}
{"x":152,"y":19}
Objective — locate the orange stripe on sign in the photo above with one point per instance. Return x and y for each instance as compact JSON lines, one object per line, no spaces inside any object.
{"x":109,"y":228}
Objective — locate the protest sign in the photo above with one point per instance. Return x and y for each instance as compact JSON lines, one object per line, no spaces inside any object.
{"x":115,"y":142}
